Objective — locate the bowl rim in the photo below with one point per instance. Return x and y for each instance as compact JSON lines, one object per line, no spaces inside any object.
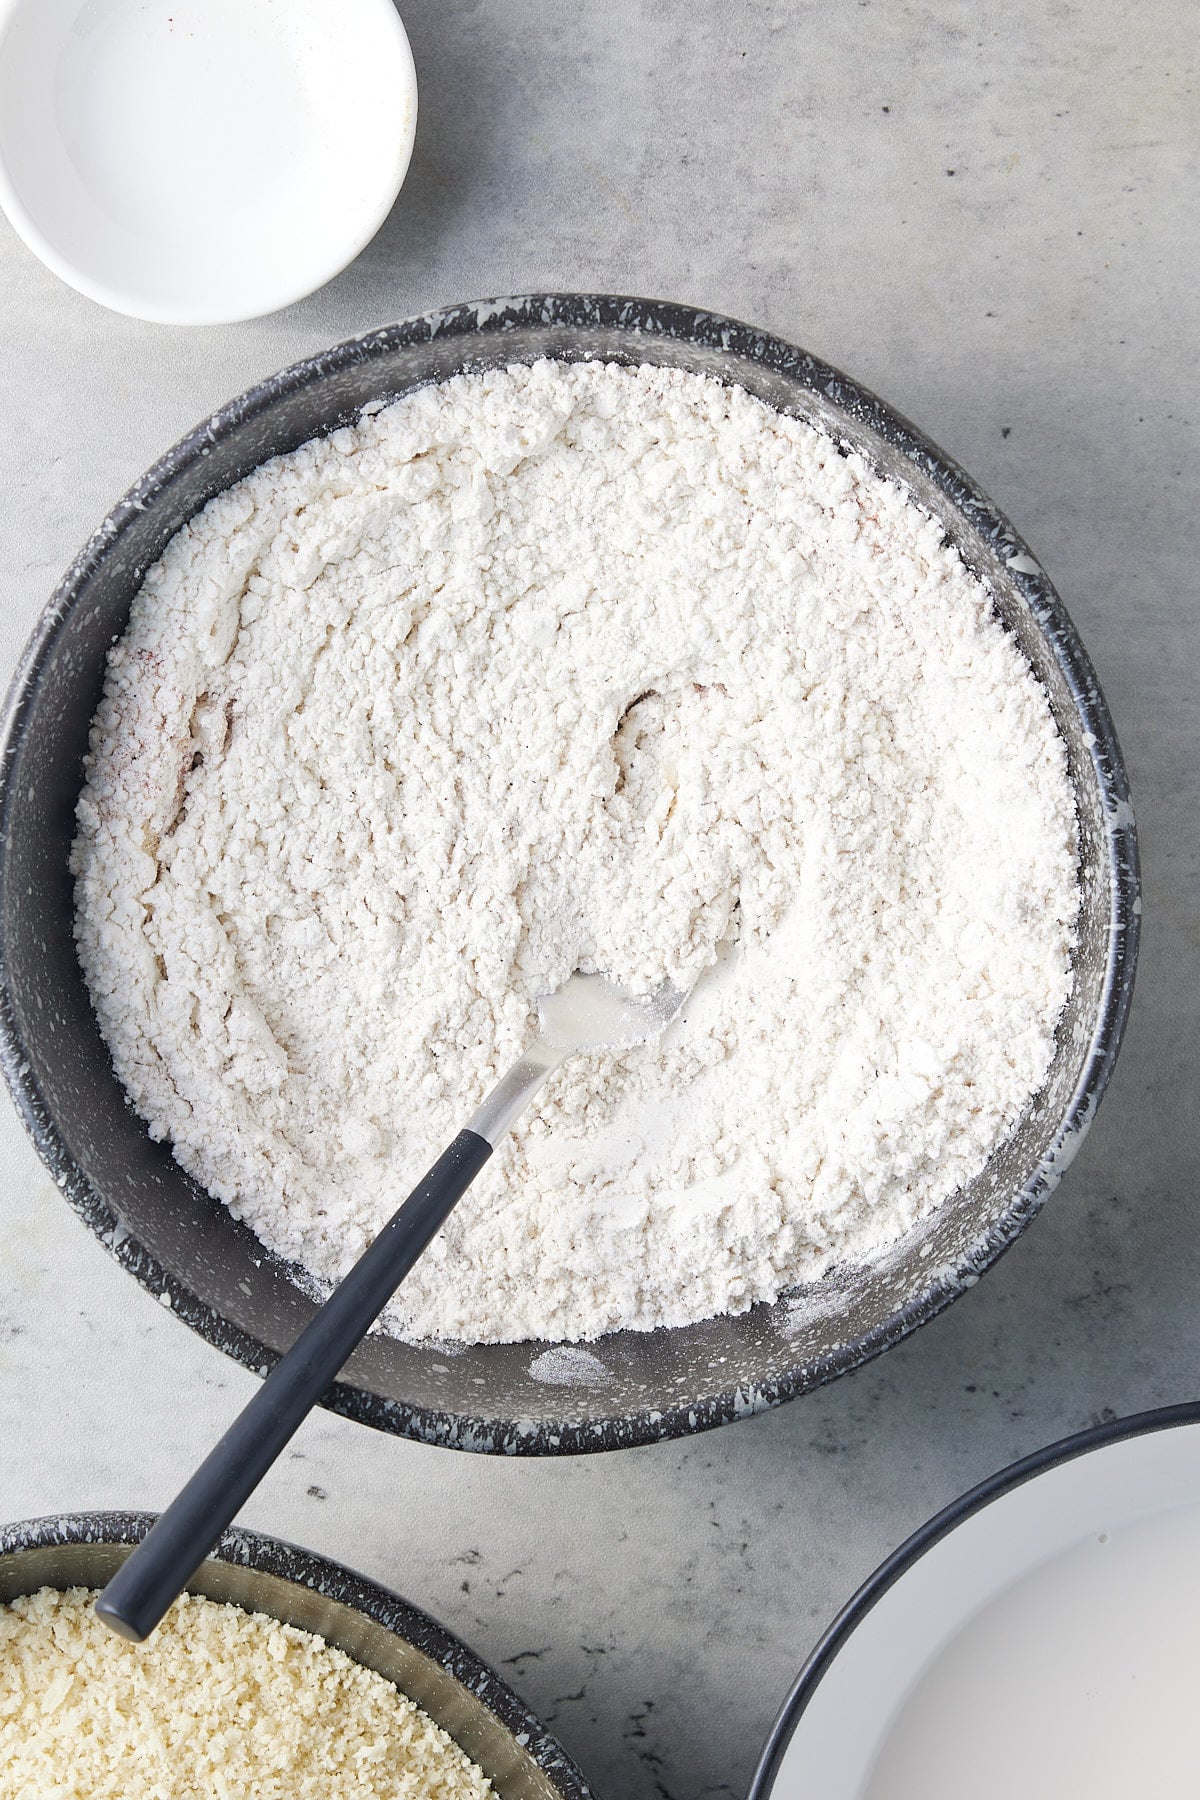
{"x":136,"y":303}
{"x":290,"y":1562}
{"x":650,"y":319}
{"x":993,"y":1487}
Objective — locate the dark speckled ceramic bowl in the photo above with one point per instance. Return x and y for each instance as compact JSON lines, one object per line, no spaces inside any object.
{"x":375,"y":1627}
{"x":186,"y":1248}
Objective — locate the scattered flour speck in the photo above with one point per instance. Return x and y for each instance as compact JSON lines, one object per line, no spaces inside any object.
{"x":566,"y":1365}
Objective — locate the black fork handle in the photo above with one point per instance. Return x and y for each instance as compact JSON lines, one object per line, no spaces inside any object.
{"x":149,"y":1580}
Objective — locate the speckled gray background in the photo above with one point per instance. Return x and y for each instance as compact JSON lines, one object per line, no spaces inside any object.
{"x":985,"y":213}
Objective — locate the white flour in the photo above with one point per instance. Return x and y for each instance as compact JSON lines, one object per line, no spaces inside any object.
{"x":575,"y":667}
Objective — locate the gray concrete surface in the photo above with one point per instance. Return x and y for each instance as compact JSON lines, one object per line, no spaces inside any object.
{"x":986,"y":212}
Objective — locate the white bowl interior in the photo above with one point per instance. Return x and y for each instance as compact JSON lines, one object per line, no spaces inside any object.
{"x":1045,"y":1646}
{"x":201,"y":163}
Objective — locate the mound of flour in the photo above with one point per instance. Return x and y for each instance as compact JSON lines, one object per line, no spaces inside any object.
{"x":575,"y":667}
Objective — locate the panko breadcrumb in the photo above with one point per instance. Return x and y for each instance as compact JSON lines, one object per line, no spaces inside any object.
{"x":221,"y":1704}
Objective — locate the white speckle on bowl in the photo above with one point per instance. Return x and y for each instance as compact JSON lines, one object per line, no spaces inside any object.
{"x":566,"y":1366}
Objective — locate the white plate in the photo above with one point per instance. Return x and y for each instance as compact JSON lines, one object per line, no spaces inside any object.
{"x":1039,"y":1639}
{"x":200,"y":161}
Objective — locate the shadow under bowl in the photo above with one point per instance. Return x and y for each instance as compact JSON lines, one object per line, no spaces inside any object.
{"x":190,"y":1252}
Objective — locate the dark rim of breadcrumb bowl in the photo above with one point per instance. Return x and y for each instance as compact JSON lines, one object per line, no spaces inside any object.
{"x":289,"y":1562}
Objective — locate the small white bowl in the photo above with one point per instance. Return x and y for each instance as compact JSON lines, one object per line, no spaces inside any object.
{"x":195,"y":162}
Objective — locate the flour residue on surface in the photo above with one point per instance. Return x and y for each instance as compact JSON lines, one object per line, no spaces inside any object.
{"x":575,"y":667}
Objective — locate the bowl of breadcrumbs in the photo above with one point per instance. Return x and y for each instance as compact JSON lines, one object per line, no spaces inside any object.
{"x":276,"y":1674}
